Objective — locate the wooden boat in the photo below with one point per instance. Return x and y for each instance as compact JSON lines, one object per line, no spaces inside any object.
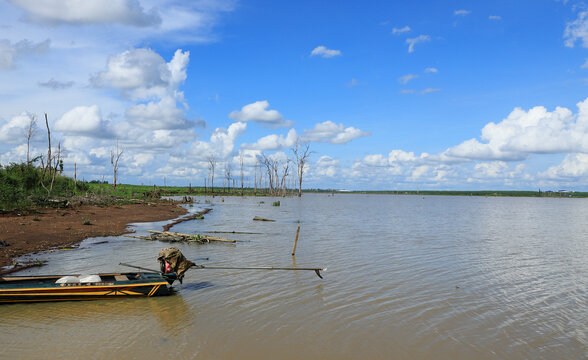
{"x":14,"y":289}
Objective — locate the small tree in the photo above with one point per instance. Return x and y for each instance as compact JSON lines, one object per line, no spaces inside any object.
{"x":114,"y":157}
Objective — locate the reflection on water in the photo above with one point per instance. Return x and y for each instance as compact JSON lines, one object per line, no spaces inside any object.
{"x":408,"y":277}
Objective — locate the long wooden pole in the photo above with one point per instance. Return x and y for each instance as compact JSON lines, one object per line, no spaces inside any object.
{"x":316,"y":270}
{"x":295,"y":241}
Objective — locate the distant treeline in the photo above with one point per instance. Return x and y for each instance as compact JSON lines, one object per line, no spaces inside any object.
{"x":26,"y":185}
{"x":513,"y":193}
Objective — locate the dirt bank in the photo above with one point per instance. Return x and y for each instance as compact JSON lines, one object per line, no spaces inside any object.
{"x":45,"y":229}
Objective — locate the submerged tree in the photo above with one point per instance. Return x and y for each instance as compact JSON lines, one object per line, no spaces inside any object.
{"x":211,"y":166}
{"x":301,"y":157}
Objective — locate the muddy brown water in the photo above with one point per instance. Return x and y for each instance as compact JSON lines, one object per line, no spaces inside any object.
{"x":409,"y":277}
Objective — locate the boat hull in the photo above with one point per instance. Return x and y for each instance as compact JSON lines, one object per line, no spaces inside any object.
{"x":43,"y":288}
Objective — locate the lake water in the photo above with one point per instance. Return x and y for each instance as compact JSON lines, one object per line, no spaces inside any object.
{"x":409,"y":277}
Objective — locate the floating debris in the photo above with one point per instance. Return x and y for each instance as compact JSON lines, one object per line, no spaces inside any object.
{"x":170,"y":236}
{"x":198,"y":215}
{"x":257,"y":218}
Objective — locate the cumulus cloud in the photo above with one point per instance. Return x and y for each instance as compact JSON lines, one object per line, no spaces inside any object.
{"x":324,"y":52}
{"x":142,"y":74}
{"x":140,"y":70}
{"x":221,"y":144}
{"x":164,"y":115}
{"x":10,"y":53}
{"x":274,"y":142}
{"x":84,"y":121}
{"x":574,"y":166}
{"x":577,"y":30}
{"x":14,"y":131}
{"x":326,"y":166}
{"x":127,"y":12}
{"x":332,"y":133}
{"x":536,"y":131}
{"x":419,"y":39}
{"x":402,"y":30}
{"x":257,"y":112}
{"x":406,"y":78}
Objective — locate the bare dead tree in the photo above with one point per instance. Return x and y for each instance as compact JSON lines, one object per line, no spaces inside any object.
{"x":50,"y":168}
{"x":270,"y":166}
{"x":30,"y":132}
{"x":255,"y":176}
{"x":114,"y":158}
{"x":211,"y":166}
{"x":301,"y":155}
{"x":285,"y":173}
{"x":228,"y":175}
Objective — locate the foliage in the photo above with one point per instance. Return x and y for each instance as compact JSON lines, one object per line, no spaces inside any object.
{"x":20,"y":186}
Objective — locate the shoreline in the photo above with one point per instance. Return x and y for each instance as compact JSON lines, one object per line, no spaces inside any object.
{"x":49,"y":228}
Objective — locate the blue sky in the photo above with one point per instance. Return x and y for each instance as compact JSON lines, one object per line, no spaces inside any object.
{"x":388,"y":95}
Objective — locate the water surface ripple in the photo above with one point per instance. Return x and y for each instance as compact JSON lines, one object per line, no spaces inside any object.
{"x":409,"y":277}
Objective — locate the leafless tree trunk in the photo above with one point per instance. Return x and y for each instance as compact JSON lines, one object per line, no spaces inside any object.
{"x":285,"y":173}
{"x":270,"y":166}
{"x":301,"y":156}
{"x":50,"y":168}
{"x":211,"y":166}
{"x":255,"y":177}
{"x":30,"y":132}
{"x":228,"y":176}
{"x":114,"y":157}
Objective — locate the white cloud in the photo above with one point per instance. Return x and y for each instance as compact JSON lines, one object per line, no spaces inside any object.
{"x":11,"y":53}
{"x":406,"y":78}
{"x":401,"y":30}
{"x":135,"y":69}
{"x":495,"y":17}
{"x":257,"y":112}
{"x":413,"y":41}
{"x":128,"y":12}
{"x":536,"y":131}
{"x":573,"y":166}
{"x":221,"y":144}
{"x":326,"y":166}
{"x":162,"y":115}
{"x":274,"y":142}
{"x":577,"y":30}
{"x":324,"y":52}
{"x":461,"y":12}
{"x":330,"y":132}
{"x":431,"y":70}
{"x":84,"y":121}
{"x":14,"y":131}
